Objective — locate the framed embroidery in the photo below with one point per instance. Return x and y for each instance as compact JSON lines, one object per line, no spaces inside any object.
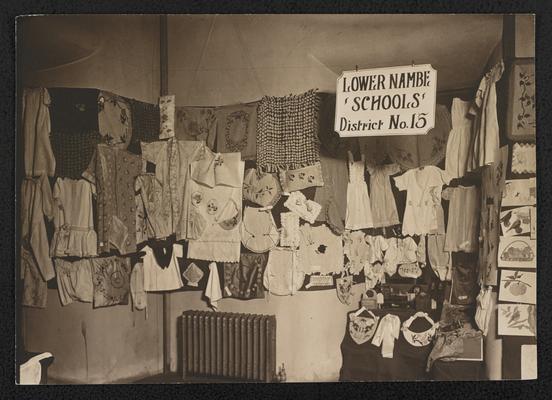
{"x":520,"y":192}
{"x":517,"y":252}
{"x":516,"y":221}
{"x":517,"y":320}
{"x":518,"y":286}
{"x":521,"y":116}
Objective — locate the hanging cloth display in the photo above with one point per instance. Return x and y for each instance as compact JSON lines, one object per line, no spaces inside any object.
{"x":75,"y":131}
{"x":193,"y":275}
{"x":306,"y":209}
{"x":320,"y":250}
{"x":343,"y":288}
{"x":145,"y":124}
{"x":388,"y":331}
{"x":38,"y":155}
{"x":35,"y":289}
{"x":212,"y":290}
{"x":384,"y":208}
{"x":413,"y":151}
{"x":170,"y":160}
{"x":137,"y":292}
{"x":237,"y":130}
{"x":362,"y":329}
{"x":287,"y":132}
{"x":114,"y":119}
{"x":196,"y":123}
{"x":357,"y":250}
{"x":157,"y":278}
{"x":74,"y":233}
{"x":112,"y":172}
{"x":283,"y":276}
{"x":458,"y":144}
{"x":243,"y":280}
{"x":419,"y":339}
{"x":359,"y":214}
{"x":167,"y":106}
{"x":289,"y":233}
{"x":463,"y":218}
{"x":111,"y":277}
{"x":301,"y":178}
{"x":74,"y":281}
{"x":485,"y":308}
{"x":423,"y":213}
{"x":258,"y":230}
{"x":333,"y":195}
{"x":216,"y":195}
{"x":260,"y":188}
{"x":37,"y":203}
{"x":485,"y":137}
{"x":439,"y":259}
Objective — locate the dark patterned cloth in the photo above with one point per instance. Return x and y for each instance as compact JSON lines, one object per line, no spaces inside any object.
{"x":73,"y":152}
{"x":111,"y":277}
{"x":114,"y":171}
{"x":287,"y":132}
{"x":74,"y":132}
{"x":331,"y":144}
{"x":243,"y":280}
{"x":145,"y":124}
{"x":74,"y":111}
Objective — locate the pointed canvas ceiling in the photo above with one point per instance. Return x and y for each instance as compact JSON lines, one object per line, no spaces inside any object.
{"x":215,"y":59}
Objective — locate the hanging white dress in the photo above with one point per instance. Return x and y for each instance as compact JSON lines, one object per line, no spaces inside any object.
{"x":359,"y":212}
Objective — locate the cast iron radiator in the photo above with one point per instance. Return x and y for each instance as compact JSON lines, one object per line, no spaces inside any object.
{"x":229,"y":345}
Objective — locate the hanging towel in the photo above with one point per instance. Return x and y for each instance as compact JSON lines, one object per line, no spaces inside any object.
{"x":212,"y":290}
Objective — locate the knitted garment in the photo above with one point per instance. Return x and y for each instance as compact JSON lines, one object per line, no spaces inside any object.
{"x":73,"y":111}
{"x":74,"y":129}
{"x":73,"y":152}
{"x":145,"y":124}
{"x":287,"y":132}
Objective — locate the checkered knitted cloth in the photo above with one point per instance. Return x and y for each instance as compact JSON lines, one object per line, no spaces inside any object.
{"x":145,"y":124}
{"x":73,"y":152}
{"x":287,"y":132}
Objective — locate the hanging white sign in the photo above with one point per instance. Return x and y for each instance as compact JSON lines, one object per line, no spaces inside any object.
{"x":386,"y":101}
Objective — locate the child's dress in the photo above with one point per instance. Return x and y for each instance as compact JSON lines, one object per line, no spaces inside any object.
{"x":359,"y":213}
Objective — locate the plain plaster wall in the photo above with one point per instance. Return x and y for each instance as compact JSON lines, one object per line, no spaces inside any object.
{"x":121,"y":344}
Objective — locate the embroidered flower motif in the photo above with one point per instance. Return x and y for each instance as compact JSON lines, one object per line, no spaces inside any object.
{"x":237,"y":126}
{"x":197,"y":198}
{"x":212,"y":207}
